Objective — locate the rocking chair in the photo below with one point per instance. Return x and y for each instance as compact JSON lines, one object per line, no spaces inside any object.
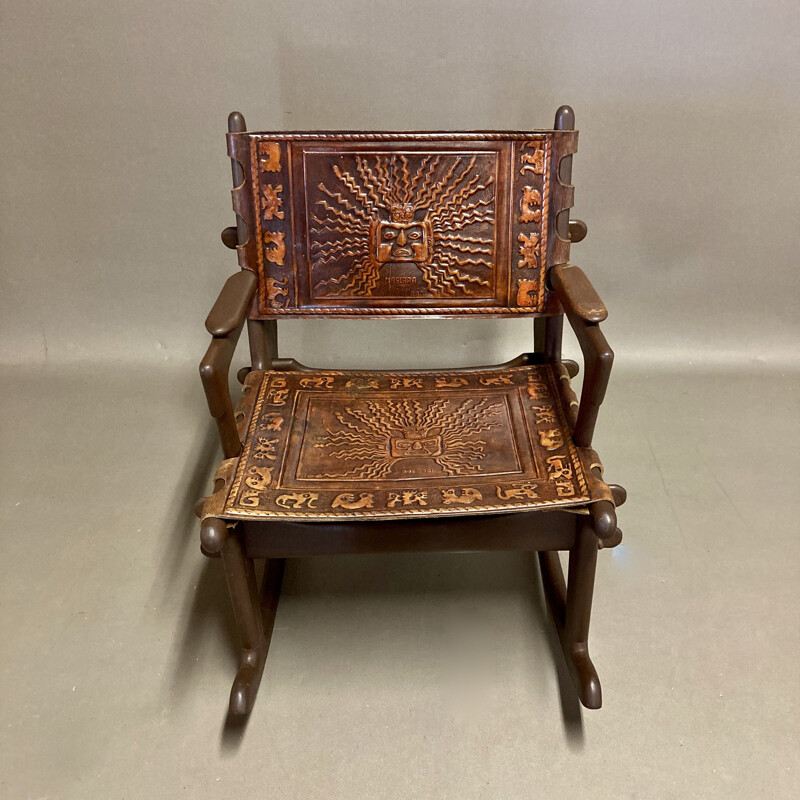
{"x":381,"y":226}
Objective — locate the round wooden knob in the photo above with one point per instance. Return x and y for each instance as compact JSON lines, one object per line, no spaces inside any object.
{"x":230,"y":238}
{"x":577,"y":230}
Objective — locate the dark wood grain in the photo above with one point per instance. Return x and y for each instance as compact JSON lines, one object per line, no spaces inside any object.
{"x":576,"y":293}
{"x":230,"y":309}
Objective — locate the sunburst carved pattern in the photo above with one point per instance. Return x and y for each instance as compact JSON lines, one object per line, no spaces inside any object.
{"x":425,"y":223}
{"x":380,"y":434}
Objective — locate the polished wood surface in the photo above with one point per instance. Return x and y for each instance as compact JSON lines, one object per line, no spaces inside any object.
{"x":232,"y":304}
{"x":578,"y":294}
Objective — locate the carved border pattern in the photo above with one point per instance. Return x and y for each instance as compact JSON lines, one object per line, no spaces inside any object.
{"x":402,"y":136}
{"x":256,"y":490}
{"x":530,"y":220}
{"x":273,"y":218}
{"x":430,"y":311}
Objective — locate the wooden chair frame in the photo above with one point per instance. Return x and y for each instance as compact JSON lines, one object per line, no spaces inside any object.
{"x":238,"y":543}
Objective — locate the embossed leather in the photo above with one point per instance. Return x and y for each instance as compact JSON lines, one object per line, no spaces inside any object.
{"x":326,"y":445}
{"x":376,"y":224}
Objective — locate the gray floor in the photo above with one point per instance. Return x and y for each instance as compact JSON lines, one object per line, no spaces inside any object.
{"x":419,"y":676}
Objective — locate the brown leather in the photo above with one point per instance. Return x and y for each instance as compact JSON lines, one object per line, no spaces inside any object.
{"x":576,"y":293}
{"x":378,"y":224}
{"x":230,"y":309}
{"x":328,"y":445}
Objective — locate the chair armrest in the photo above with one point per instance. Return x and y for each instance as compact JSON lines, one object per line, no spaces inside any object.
{"x":231,"y":306}
{"x":585,"y":310}
{"x":577,"y":294}
{"x":225,"y":323}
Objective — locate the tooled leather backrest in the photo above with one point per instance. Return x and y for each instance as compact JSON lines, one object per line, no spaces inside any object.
{"x":377,"y":224}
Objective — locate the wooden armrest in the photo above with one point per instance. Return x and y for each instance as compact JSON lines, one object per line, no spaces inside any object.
{"x":576,"y":293}
{"x":231,"y":306}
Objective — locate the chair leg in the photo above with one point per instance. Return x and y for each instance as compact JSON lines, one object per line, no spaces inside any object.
{"x":254,"y":618}
{"x":571,"y":607}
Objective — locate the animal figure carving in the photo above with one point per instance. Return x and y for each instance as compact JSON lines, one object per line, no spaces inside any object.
{"x":277,"y":394}
{"x":277,"y":397}
{"x":467,"y":496}
{"x":275,"y":255}
{"x":348,"y":500}
{"x":529,"y":251}
{"x":544,"y":415}
{"x":325,"y":382}
{"x":361,"y":383}
{"x":450,"y":383}
{"x":258,"y":478}
{"x":530,"y":197}
{"x":497,"y":380}
{"x":536,"y":390}
{"x":532,"y":162}
{"x":551,"y":439}
{"x":558,"y":468}
{"x":265,"y":448}
{"x":269,"y":156}
{"x":297,"y":500}
{"x":272,"y":422}
{"x":408,"y":498}
{"x":527,"y":292}
{"x":276,"y":289}
{"x":272,"y":201}
{"x":249,"y":499}
{"x":525,"y":491}
{"x":406,"y":383}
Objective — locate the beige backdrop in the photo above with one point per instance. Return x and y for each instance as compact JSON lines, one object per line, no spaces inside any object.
{"x":115,"y":178}
{"x":413,"y":675}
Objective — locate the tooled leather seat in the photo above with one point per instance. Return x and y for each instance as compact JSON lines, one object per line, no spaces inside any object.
{"x":326,"y":445}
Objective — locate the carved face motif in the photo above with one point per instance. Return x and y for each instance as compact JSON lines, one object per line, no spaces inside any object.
{"x":401,"y":241}
{"x":551,"y":440}
{"x":430,"y":447}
